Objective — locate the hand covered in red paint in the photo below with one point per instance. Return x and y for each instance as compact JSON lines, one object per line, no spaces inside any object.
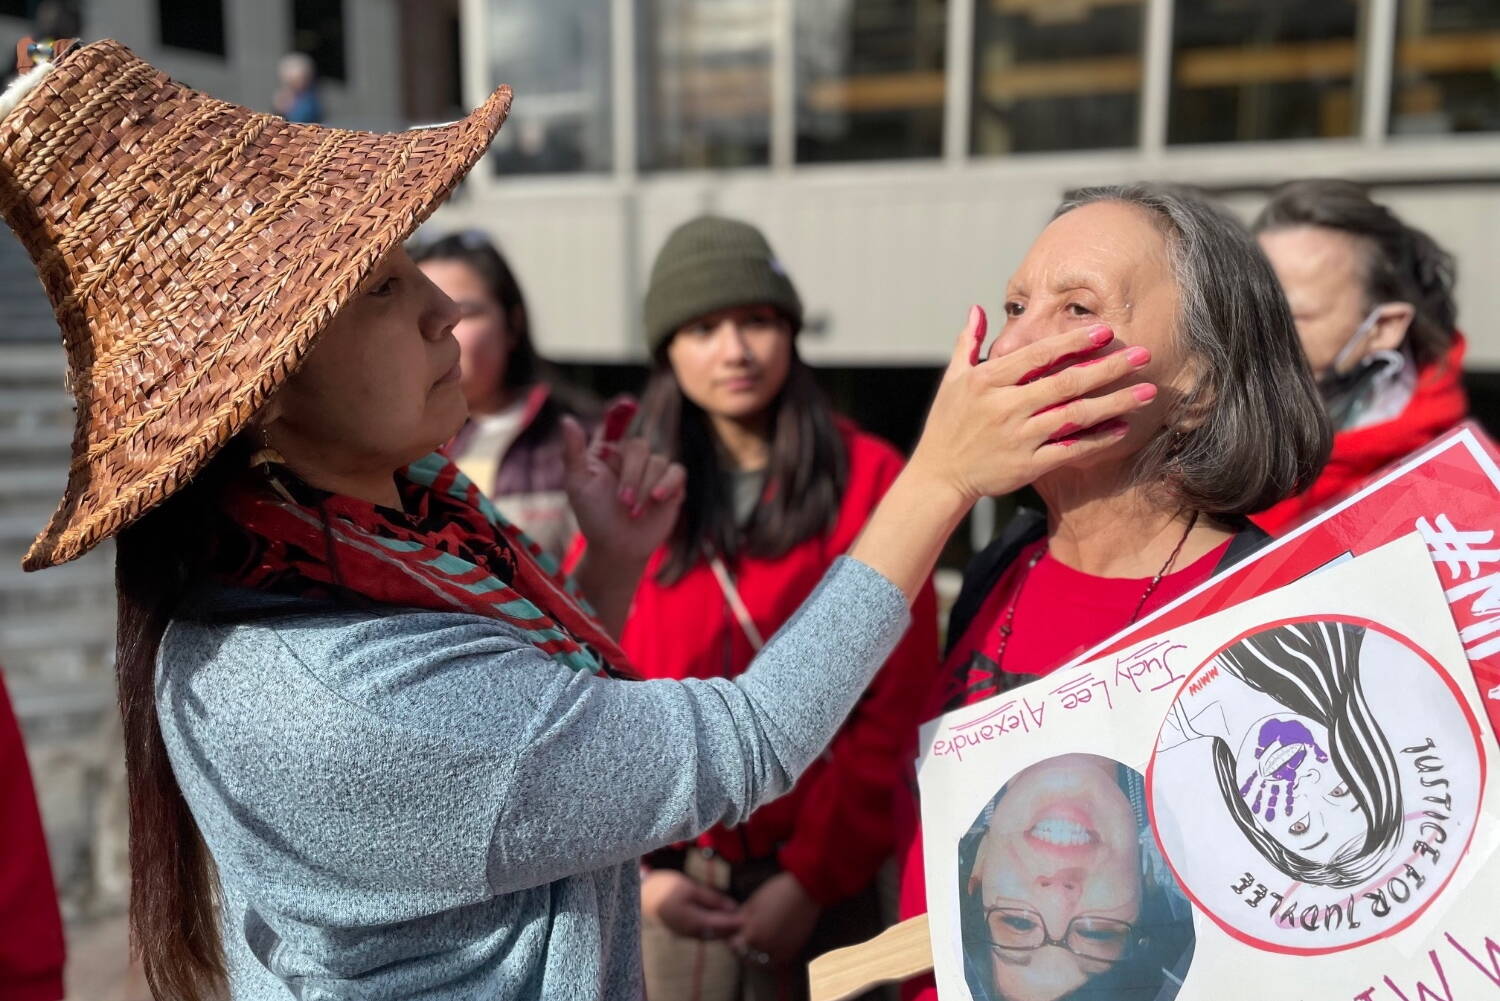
{"x":1000,"y":422}
{"x":625,"y":496}
{"x":778,"y":920}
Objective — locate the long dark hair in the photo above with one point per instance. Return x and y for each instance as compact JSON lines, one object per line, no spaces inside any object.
{"x":1313,"y":669}
{"x":805,"y":477}
{"x":1402,"y":263}
{"x":174,"y":890}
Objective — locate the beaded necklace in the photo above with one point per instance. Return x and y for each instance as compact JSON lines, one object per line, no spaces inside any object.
{"x":1008,"y":626}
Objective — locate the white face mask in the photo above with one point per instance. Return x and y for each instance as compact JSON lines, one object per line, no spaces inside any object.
{"x":1365,"y":328}
{"x":1341,"y":390}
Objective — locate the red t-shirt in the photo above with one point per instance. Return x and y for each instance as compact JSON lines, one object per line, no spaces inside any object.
{"x":1059,"y":613}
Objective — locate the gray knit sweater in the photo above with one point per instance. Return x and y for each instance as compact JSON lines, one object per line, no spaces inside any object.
{"x":412,"y":804}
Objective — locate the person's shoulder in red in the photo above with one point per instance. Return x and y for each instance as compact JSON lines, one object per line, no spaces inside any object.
{"x":1437,"y":405}
{"x":31,"y":935}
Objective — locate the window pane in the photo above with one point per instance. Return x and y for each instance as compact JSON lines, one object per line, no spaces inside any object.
{"x":318,"y":30}
{"x":192,"y":24}
{"x":556,"y":55}
{"x":705,"y":83}
{"x":870,"y":79}
{"x":1050,"y":75}
{"x":1251,"y":70}
{"x":1447,"y":76}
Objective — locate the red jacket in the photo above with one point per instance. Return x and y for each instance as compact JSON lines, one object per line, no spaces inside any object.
{"x":835,"y":828}
{"x":1438,"y":404}
{"x":31,"y":935}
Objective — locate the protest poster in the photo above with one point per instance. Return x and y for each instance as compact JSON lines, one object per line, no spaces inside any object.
{"x":1449,"y":492}
{"x":1290,"y":798}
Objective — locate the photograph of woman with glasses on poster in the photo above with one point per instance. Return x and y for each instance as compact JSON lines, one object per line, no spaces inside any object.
{"x":1063,"y":893}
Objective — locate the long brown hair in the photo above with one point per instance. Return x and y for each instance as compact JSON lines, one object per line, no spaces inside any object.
{"x":805,"y":477}
{"x":174,"y":920}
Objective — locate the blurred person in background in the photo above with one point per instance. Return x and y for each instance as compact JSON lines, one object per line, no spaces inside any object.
{"x":778,"y":486}
{"x":1178,"y":285}
{"x":296,"y":97}
{"x":53,"y":19}
{"x":31,"y":933}
{"x":1373,"y":301}
{"x":512,"y":444}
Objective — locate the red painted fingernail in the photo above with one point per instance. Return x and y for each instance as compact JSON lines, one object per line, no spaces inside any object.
{"x":1145,"y":392}
{"x":1137,"y":356}
{"x":1101,"y":336}
{"x":974,"y":350}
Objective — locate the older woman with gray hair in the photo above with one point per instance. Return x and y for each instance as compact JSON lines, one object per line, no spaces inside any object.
{"x":1234,"y":426}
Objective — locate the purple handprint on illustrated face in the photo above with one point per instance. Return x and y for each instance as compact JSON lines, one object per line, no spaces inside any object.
{"x":1281,"y":747}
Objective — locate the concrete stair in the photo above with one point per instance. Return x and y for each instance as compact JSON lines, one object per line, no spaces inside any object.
{"x":57,"y":626}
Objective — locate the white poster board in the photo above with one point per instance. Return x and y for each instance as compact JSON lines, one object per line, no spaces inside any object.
{"x":1288,"y":799}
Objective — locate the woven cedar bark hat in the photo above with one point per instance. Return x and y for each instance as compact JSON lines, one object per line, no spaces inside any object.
{"x":193,"y":251}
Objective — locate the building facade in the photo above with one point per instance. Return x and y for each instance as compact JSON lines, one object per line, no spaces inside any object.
{"x":902,"y":154}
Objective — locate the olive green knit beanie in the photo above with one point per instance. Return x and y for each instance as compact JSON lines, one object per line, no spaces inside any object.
{"x":712,"y":263}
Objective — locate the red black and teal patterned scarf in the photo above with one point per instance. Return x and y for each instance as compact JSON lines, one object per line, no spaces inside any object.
{"x":448,"y":549}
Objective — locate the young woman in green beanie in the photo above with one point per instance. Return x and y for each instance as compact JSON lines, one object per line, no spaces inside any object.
{"x":778,"y":487}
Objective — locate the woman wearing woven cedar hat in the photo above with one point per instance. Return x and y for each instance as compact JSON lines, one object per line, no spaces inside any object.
{"x":778,"y":487}
{"x":374,"y":747}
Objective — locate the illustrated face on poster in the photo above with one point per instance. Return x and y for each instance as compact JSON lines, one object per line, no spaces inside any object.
{"x":1063,"y":893}
{"x":1348,"y":776}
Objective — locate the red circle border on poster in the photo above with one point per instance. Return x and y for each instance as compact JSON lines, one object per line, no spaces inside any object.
{"x":1469,"y":717}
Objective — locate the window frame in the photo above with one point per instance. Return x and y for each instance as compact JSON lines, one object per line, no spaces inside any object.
{"x":1376,"y":66}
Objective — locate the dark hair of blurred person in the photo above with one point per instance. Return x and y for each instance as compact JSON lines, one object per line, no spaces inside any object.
{"x":512,"y":444}
{"x":1373,"y":301}
{"x":778,"y":486}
